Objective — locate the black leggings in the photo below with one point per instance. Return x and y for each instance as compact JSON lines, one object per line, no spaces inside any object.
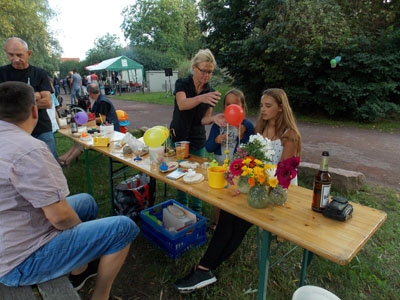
{"x":227,"y":237}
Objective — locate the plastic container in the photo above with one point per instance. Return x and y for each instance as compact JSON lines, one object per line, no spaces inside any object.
{"x":174,"y":244}
{"x":156,"y":154}
{"x":216,"y":177}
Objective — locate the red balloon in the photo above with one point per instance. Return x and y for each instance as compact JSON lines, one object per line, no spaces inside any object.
{"x":234,"y":115}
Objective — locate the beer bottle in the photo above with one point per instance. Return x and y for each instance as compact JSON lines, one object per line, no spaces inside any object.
{"x":322,"y":185}
{"x":72,"y":125}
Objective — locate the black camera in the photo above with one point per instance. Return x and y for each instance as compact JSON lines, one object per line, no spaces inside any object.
{"x":339,"y":209}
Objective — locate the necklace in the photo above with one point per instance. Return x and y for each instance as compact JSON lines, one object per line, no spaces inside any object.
{"x":267,"y":135}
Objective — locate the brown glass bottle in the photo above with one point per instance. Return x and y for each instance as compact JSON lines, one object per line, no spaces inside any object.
{"x":73,"y":125}
{"x":322,"y":185}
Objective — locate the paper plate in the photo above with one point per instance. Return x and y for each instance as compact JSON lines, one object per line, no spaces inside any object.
{"x":310,"y":292}
{"x":169,"y":166}
{"x":189,"y":165}
{"x":193,"y":179}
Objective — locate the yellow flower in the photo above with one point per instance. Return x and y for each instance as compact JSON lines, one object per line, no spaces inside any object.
{"x":226,"y":161}
{"x":247,"y":161}
{"x":244,"y":168}
{"x":226,"y":151}
{"x":258,"y":162}
{"x":249,"y":171}
{"x":273,"y":182}
{"x":258,"y":171}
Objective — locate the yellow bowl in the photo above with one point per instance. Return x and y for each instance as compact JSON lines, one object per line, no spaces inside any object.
{"x":216,"y":178}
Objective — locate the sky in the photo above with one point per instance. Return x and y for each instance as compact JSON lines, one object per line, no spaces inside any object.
{"x":80,"y":22}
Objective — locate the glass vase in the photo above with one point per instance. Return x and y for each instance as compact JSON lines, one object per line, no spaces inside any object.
{"x":278,"y":195}
{"x":258,"y":197}
{"x":243,"y":185}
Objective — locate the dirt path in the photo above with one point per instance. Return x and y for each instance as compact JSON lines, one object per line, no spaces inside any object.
{"x":368,"y":151}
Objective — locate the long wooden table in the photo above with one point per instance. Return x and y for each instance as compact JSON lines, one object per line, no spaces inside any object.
{"x":336,"y":241}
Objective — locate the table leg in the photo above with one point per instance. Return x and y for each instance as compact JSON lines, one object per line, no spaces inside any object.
{"x":111,"y":175}
{"x":264,"y":266}
{"x":307,"y":257}
{"x":88,"y":174}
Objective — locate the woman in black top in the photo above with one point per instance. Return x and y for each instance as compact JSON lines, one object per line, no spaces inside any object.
{"x":194,"y":100}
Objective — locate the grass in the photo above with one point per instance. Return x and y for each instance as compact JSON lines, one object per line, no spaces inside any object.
{"x":149,"y":273}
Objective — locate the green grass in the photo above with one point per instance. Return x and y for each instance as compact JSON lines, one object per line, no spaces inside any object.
{"x":373,"y":273}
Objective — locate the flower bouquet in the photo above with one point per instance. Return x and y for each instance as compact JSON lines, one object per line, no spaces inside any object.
{"x":265,"y":183}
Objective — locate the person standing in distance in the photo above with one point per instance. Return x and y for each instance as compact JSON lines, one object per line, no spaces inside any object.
{"x":76,"y":84}
{"x":19,"y":69}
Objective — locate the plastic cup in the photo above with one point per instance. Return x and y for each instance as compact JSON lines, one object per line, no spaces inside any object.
{"x":180,"y":149}
{"x":156,"y":154}
{"x":187,"y":144}
{"x":107,"y":131}
{"x":216,"y":177}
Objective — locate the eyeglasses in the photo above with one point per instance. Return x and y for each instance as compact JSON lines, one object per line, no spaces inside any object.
{"x":205,"y":71}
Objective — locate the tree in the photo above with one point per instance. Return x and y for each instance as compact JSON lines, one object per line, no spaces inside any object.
{"x":105,"y":47}
{"x":28,"y":20}
{"x":288,"y":44}
{"x":167,"y":26}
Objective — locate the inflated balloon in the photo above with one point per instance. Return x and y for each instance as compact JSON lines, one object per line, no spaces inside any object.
{"x":81,"y":117}
{"x":164,"y":129}
{"x":333,"y":61}
{"x":338,"y":59}
{"x":234,"y":114}
{"x":154,"y":137}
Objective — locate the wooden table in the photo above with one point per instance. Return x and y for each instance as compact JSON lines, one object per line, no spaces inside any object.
{"x":336,"y":241}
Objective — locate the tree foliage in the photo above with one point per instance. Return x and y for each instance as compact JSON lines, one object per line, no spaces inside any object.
{"x":28,"y":19}
{"x":289,"y":44}
{"x":168,"y":28}
{"x":105,"y":47}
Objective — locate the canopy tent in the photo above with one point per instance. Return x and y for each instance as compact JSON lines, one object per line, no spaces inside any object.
{"x":120,"y":63}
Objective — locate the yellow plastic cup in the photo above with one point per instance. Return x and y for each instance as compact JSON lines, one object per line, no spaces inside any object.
{"x":216,"y":178}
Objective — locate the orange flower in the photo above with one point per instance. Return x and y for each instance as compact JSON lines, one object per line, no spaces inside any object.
{"x":261,"y":179}
{"x":251,"y":181}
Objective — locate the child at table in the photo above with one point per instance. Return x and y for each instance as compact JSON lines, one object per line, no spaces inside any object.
{"x":216,"y":141}
{"x":277,"y":123}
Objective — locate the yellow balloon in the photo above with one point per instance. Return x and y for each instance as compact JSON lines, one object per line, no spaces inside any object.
{"x":164,"y":129}
{"x":154,"y":137}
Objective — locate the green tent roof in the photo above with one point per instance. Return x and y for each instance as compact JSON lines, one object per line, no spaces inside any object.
{"x":116,"y":64}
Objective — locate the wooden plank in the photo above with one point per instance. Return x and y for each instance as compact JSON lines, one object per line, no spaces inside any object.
{"x":58,"y":289}
{"x":16,"y":293}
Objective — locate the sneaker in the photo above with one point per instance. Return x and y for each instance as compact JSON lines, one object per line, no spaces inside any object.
{"x":197,"y":279}
{"x":78,"y":281}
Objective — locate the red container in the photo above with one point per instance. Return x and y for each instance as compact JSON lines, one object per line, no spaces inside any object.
{"x":123,"y":129}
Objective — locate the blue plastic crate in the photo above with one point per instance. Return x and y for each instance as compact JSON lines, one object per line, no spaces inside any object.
{"x":174,"y":244}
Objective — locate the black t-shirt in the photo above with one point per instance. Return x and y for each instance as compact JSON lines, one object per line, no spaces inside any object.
{"x":38,"y":79}
{"x":187,"y":123}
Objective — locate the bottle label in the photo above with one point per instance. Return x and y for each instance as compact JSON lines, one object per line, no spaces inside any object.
{"x":325,"y":191}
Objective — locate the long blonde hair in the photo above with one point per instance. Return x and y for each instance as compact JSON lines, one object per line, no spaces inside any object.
{"x":285,"y":120}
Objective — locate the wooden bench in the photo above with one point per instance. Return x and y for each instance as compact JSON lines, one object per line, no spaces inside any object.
{"x":56,"y":289}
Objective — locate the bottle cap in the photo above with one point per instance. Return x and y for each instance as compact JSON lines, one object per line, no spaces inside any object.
{"x":325,"y":153}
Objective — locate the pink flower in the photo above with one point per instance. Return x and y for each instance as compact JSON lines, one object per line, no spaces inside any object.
{"x":236,"y":167}
{"x":287,"y":170}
